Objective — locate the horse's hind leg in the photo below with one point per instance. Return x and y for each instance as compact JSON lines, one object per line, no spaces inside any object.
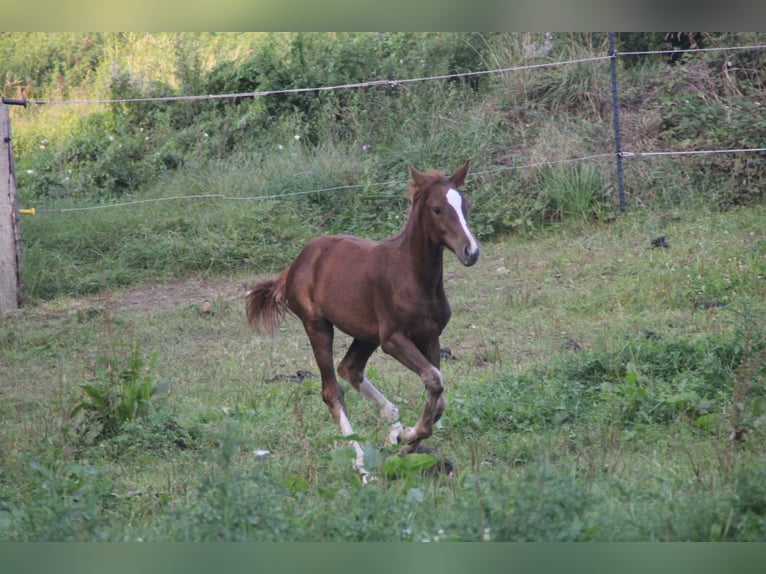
{"x":352,"y":367}
{"x":320,"y":333}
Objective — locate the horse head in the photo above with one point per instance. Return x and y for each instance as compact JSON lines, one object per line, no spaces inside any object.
{"x":444,"y":211}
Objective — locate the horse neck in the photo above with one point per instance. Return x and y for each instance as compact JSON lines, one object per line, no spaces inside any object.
{"x":425,"y":257}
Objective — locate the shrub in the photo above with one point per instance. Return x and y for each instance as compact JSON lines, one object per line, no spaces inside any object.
{"x":63,"y":502}
{"x":703,"y":110}
{"x":573,"y":192}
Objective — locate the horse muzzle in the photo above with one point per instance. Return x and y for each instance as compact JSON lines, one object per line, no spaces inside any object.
{"x":469,"y":254}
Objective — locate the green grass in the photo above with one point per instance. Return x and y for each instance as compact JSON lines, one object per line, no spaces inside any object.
{"x":590,"y":398}
{"x":596,"y":381}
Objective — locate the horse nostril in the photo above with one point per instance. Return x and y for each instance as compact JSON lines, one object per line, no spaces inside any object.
{"x":470,"y":256}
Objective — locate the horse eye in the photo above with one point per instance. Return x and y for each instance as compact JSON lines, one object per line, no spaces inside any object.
{"x":438,"y":210}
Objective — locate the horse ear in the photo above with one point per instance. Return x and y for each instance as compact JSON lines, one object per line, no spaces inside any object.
{"x":458,"y":177}
{"x":416,"y":176}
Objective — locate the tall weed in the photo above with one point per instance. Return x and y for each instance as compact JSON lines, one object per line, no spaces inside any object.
{"x":572,"y":192}
{"x":121,"y":392}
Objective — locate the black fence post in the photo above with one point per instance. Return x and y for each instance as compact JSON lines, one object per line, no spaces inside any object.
{"x":616,"y":121}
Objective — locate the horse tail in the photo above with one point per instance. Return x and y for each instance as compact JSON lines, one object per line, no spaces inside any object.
{"x":266,"y":305}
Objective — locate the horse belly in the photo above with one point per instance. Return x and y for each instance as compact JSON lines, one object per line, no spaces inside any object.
{"x":348,"y":303}
{"x":356,"y":319}
{"x":331,"y":279}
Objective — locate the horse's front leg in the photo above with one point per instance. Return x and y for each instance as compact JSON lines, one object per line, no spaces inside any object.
{"x":406,"y":352}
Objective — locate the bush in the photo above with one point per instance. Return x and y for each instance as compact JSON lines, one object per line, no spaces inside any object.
{"x":126,"y":148}
{"x":63,"y":502}
{"x":705,"y":110}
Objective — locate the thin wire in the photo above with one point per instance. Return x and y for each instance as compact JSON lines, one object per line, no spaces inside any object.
{"x":692,"y":152}
{"x":379,"y":83}
{"x":541,"y":164}
{"x":690,"y":50}
{"x":214,"y":196}
{"x":307,"y":192}
{"x":369,"y":84}
{"x":277,"y":196}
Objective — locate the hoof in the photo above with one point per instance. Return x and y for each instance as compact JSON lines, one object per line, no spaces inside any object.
{"x":409,"y":441}
{"x":395,"y":434}
{"x":367,"y":477}
{"x":409,"y":435}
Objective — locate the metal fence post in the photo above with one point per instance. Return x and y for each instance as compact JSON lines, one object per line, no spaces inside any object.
{"x":616,"y":121}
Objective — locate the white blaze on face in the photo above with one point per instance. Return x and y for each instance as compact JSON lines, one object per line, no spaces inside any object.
{"x":456,"y":201}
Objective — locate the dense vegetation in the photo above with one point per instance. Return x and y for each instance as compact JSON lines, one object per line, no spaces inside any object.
{"x":288,"y":143}
{"x":607,"y":372}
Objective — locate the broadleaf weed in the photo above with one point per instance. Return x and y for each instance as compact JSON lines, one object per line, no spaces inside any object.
{"x":121,"y":393}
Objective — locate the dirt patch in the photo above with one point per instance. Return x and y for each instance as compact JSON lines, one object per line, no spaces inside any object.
{"x":171,"y":294}
{"x":158,"y":295}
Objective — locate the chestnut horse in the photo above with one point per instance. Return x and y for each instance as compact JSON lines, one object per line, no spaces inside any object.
{"x":388,"y":294}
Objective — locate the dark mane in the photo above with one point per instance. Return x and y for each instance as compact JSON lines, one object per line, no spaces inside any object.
{"x":430,"y":177}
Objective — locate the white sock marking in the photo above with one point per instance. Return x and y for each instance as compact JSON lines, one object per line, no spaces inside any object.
{"x":456,"y":201}
{"x":387,"y":409}
{"x":345,"y":425}
{"x":346,"y":430}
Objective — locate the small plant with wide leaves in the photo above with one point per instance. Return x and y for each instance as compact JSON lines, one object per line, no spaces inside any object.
{"x":121,"y":392}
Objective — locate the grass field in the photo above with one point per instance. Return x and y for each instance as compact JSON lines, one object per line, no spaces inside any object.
{"x":598,"y":389}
